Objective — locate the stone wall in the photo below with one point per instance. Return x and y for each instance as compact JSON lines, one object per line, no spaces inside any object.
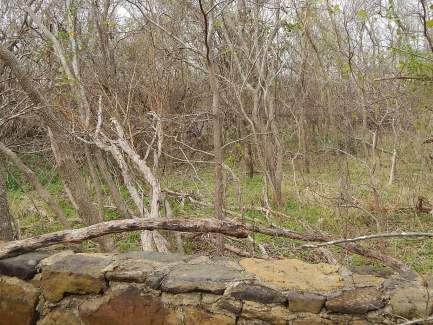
{"x":150,"y":288}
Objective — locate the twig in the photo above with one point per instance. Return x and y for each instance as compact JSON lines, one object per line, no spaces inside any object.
{"x":368,"y":237}
{"x":418,"y":321}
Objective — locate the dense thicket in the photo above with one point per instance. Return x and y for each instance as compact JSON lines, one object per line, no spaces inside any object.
{"x":324,"y":103}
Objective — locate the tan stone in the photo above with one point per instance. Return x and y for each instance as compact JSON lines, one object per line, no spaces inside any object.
{"x":18,"y":301}
{"x":280,"y":315}
{"x":227,"y":306}
{"x":181,"y":299}
{"x":76,"y":274}
{"x":55,"y":284}
{"x":209,"y":298}
{"x":313,"y":320}
{"x":59,"y":317}
{"x":361,"y":281}
{"x":292,"y":274}
{"x":184,"y":316}
{"x":253,"y":310}
{"x":359,"y":322}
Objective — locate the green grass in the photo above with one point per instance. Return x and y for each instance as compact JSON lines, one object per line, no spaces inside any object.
{"x":315,"y":208}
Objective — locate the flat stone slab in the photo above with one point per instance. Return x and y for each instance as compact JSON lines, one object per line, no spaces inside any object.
{"x":305,"y":302}
{"x":76,"y":274}
{"x":295,"y":275}
{"x":23,"y":266}
{"x":411,"y":302}
{"x":130,"y":270}
{"x":200,"y":277}
{"x":255,"y":292}
{"x":358,"y":301}
{"x":155,"y":257}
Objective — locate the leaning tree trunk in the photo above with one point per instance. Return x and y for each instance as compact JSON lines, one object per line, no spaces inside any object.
{"x":67,"y":166}
{"x":6,"y":229}
{"x":70,"y":174}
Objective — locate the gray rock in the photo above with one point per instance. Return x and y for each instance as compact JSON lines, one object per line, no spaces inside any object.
{"x":225,"y":304}
{"x":130,"y":271}
{"x":155,"y":257}
{"x":358,"y":301}
{"x":199,"y":277}
{"x":23,"y":266}
{"x":305,"y":302}
{"x":410,"y":302}
{"x":255,"y":292}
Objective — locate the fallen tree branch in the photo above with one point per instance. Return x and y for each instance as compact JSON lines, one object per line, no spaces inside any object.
{"x":368,"y":237}
{"x":418,"y":321}
{"x":18,"y":247}
{"x":311,"y":237}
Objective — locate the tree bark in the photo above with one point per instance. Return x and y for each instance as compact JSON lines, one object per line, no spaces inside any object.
{"x":77,"y":235}
{"x":114,"y":192}
{"x":67,"y":166}
{"x":216,"y":122}
{"x":33,"y":179}
{"x":6,"y":228}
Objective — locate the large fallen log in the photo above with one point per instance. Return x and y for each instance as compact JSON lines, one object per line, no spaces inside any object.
{"x":18,"y":247}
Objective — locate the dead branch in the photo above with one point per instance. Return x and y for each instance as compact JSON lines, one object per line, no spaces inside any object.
{"x":104,"y":228}
{"x":368,"y":237}
{"x":316,"y":237}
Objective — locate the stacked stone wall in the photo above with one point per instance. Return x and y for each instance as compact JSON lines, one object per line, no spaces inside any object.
{"x":66,"y":288}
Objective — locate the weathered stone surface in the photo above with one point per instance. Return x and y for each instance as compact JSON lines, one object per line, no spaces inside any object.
{"x":359,"y":322}
{"x":305,"y":302}
{"x":255,"y":292}
{"x":209,"y":298}
{"x":291,"y":274}
{"x":227,"y":306}
{"x":130,"y":270}
{"x":55,"y":258}
{"x":358,"y":301}
{"x":199,"y":277}
{"x":59,"y":317}
{"x":314,"y":320}
{"x":181,"y":299}
{"x":411,"y":302}
{"x":243,"y":321}
{"x":22,"y":266}
{"x":124,"y":306}
{"x":18,"y":301}
{"x":280,"y":315}
{"x":362,"y":281}
{"x":76,"y":274}
{"x":128,"y":305}
{"x":254,"y":310}
{"x":274,"y":314}
{"x":195,"y":316}
{"x":155,"y":258}
{"x":154,"y":279}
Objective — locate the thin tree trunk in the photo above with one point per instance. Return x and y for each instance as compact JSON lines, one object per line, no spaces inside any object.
{"x":6,"y":228}
{"x":67,"y":166}
{"x":33,"y":179}
{"x":112,"y":188}
{"x":70,"y":174}
{"x":216,"y":126}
